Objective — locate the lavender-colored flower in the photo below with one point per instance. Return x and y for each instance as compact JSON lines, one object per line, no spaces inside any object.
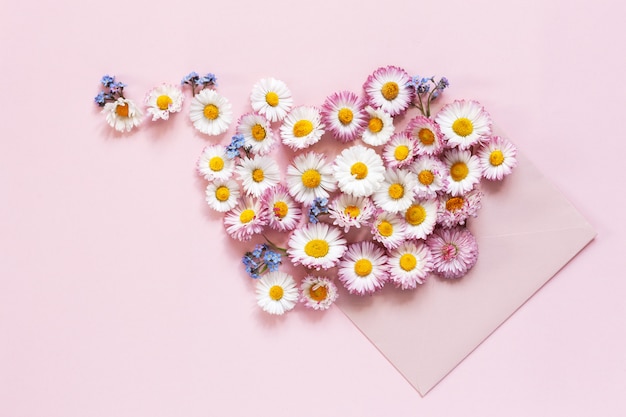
{"x":207,"y":80}
{"x":318,"y":207}
{"x":100,"y":99}
{"x":107,"y":80}
{"x":190,"y":78}
{"x":272,"y":260}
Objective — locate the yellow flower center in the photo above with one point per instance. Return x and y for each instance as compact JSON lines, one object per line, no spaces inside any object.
{"x":272,"y":99}
{"x":211,"y":111}
{"x":385,"y":228}
{"x":401,"y":152}
{"x":280,"y":209}
{"x":246,"y":216}
{"x":302,"y":128}
{"x":345,"y":116}
{"x":318,"y":292}
{"x":415,"y":215}
{"x":359,"y":170}
{"x":222,"y":193}
{"x":276,"y":292}
{"x":258,"y":175}
{"x":258,"y":132}
{"x":496,"y":158}
{"x":396,"y":191}
{"x":375,"y":125}
{"x":463,"y":126}
{"x":454,"y":203}
{"x":458,"y":171}
{"x":216,"y":163}
{"x":408,"y":262}
{"x":390,"y":90}
{"x":317,"y":248}
{"x":352,"y":211}
{"x":426,"y":177}
{"x":122,"y":110}
{"x":363,"y":267}
{"x":311,"y":178}
{"x":426,"y":136}
{"x":163,"y":102}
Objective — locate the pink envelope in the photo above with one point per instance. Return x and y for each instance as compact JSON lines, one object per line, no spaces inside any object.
{"x":526,"y":232}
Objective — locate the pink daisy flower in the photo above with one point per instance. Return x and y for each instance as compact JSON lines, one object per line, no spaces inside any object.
{"x":431,"y":176}
{"x":454,"y":210}
{"x":388,"y":89}
{"x":388,"y":229}
{"x":427,"y":135}
{"x":246,"y":219}
{"x":349,"y":211}
{"x":497,"y":158}
{"x":454,"y":251}
{"x":464,"y":123}
{"x":400,"y":151}
{"x":409,"y":264}
{"x":363,"y":268}
{"x":318,"y":293}
{"x":344,"y":115}
{"x":283,"y":213}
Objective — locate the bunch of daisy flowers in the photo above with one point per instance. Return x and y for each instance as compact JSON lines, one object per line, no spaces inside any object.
{"x":390,"y":207}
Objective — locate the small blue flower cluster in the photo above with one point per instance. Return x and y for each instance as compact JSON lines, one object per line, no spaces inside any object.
{"x":233,"y":150}
{"x":422,"y":87}
{"x":318,"y":207}
{"x":112,"y":90}
{"x":198,"y":82}
{"x":261,"y":259}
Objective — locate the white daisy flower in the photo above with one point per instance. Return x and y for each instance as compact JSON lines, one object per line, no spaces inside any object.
{"x":497,"y":158}
{"x":397,"y":190}
{"x":222,"y":194}
{"x":122,"y":114}
{"x":363,"y":269}
{"x":349,"y":211}
{"x":210,"y":112}
{"x":380,"y":127}
{"x":302,"y":127}
{"x":421,"y":218}
{"x":246,"y":219}
{"x":257,"y":133}
{"x":213,"y":163}
{"x":257,"y":174}
{"x":427,"y":135}
{"x":344,"y":114}
{"x":316,"y":245}
{"x":310,"y":177}
{"x":283,"y":213}
{"x":276,"y":292}
{"x":163,"y":100}
{"x":271,"y":98}
{"x":388,"y":229}
{"x":388,"y":89}
{"x":400,"y":151}
{"x":431,"y":176}
{"x":410,"y":264}
{"x":464,"y":123}
{"x":463,"y":171}
{"x":359,"y":171}
{"x":318,"y":293}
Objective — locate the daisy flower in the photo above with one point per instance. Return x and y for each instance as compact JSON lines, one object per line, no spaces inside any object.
{"x":283,"y":213}
{"x":214,"y":165}
{"x":363,"y":269}
{"x":246,"y":219}
{"x":380,"y":127}
{"x":463,"y":171}
{"x":276,"y":292}
{"x":318,"y":293}
{"x":427,"y":135}
{"x":348,"y":211}
{"x":316,"y":245}
{"x":388,"y":89}
{"x":257,"y":174}
{"x":497,"y":158}
{"x":399,"y":151}
{"x":163,"y":100}
{"x":396,"y":191}
{"x":409,"y":264}
{"x":388,"y":229}
{"x":431,"y":176}
{"x":454,"y":210}
{"x":344,"y":114}
{"x":271,"y":98}
{"x":257,"y":134}
{"x":222,"y":194}
{"x":454,"y":251}
{"x":210,"y":112}
{"x":421,"y":218}
{"x":464,"y":123}
{"x":359,"y":171}
{"x":310,"y":177}
{"x":302,"y":127}
{"x":122,"y":114}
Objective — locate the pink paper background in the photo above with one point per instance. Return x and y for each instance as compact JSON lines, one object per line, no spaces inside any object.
{"x":114,"y":296}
